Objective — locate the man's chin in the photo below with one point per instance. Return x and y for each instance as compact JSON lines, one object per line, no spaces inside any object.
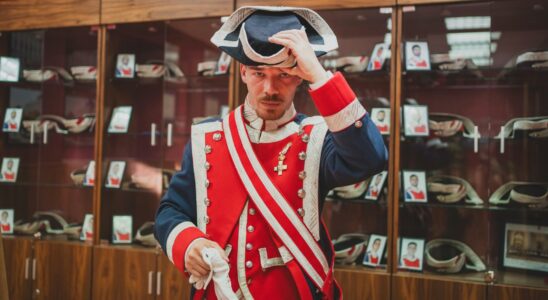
{"x":270,"y":114}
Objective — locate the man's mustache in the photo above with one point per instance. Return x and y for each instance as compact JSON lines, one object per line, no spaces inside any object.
{"x":271,"y":98}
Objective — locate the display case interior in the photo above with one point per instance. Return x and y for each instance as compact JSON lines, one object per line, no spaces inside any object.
{"x":53,"y":96}
{"x":173,"y":78}
{"x":461,"y":178}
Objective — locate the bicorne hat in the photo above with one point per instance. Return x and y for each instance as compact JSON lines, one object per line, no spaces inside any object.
{"x":244,"y":35}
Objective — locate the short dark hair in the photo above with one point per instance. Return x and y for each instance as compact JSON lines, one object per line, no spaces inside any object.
{"x":415,"y":46}
{"x":414,"y":175}
{"x":412,"y":243}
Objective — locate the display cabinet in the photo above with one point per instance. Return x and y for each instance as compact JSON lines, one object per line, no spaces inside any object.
{"x":47,"y":99}
{"x":471,"y":215}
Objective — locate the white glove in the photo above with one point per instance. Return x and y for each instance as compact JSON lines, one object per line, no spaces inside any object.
{"x":219,"y":273}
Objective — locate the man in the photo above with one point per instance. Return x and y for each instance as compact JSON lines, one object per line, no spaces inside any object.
{"x":373,"y":256}
{"x":254,"y":182}
{"x":375,"y":188}
{"x":409,"y":259}
{"x":124,"y":69}
{"x":414,"y":193}
{"x":9,"y":173}
{"x":417,"y":60}
{"x":5,"y":223}
{"x":381,"y":121}
{"x":11,"y":124}
{"x":114,"y":178}
{"x":377,"y":61}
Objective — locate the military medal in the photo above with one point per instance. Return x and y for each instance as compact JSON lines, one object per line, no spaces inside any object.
{"x":281,"y":157}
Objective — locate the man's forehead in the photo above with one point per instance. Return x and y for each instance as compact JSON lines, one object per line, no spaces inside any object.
{"x":264,"y":68}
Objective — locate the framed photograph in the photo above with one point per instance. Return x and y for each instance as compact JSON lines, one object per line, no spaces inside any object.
{"x":381,"y":118}
{"x":417,"y":56}
{"x":89,"y":178}
{"x":374,"y":251}
{"x":411,"y":254}
{"x":6,"y":221}
{"x":378,"y":56}
{"x":122,"y":229}
{"x":415,"y":119}
{"x":12,"y":120}
{"x":125,"y":65}
{"x":375,"y":186}
{"x":119,"y":120}
{"x":414,"y":184}
{"x":10,"y":167}
{"x":526,"y":247}
{"x":9,"y":69}
{"x":115,"y":174}
{"x":223,"y":64}
{"x":87,"y":228}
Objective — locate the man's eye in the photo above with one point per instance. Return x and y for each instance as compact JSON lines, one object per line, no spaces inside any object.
{"x":284,"y":75}
{"x":259,"y":74}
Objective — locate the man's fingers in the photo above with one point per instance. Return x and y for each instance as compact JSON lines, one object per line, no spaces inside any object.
{"x":282,"y":41}
{"x":196,"y":270}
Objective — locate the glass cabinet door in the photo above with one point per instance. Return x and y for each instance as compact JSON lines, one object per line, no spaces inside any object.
{"x":518,"y":116}
{"x":132,"y":149}
{"x":200,"y":91}
{"x":444,"y":225}
{"x":356,"y":215}
{"x":20,"y":101}
{"x":68,"y":112}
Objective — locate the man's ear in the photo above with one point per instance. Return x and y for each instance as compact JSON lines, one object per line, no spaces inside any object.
{"x":243,"y":71}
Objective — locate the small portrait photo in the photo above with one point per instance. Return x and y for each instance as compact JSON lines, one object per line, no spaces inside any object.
{"x":9,"y":69}
{"x":378,"y":56}
{"x":6,"y":221}
{"x":375,"y":186}
{"x":87,"y":228}
{"x":526,"y":247}
{"x":415,"y":119}
{"x":412,"y":252}
{"x":375,"y":249}
{"x":115,"y":174}
{"x":125,"y":65}
{"x":10,"y":167}
{"x":381,"y":118}
{"x":12,"y":120}
{"x":119,"y":121}
{"x":414,"y":184}
{"x":223,"y":64}
{"x":417,"y":56}
{"x":122,"y":229}
{"x":89,"y":178}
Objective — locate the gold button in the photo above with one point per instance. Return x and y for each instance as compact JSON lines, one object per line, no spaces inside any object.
{"x":252,"y":211}
{"x":302,"y":175}
{"x":301,"y":193}
{"x":305,"y":138}
{"x":249,"y":264}
{"x":217,"y":136}
{"x":206,"y":183}
{"x":207,"y":202}
{"x":358,"y":124}
{"x":248,"y":246}
{"x":250,"y":228}
{"x":301,"y":212}
{"x":207,"y":149}
{"x":302,"y":155}
{"x":207,"y":166}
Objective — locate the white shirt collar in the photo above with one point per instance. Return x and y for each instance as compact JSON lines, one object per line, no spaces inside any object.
{"x":258,"y":123}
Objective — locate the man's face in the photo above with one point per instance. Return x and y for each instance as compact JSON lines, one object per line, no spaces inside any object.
{"x":10,"y":164}
{"x":4,"y":216}
{"x":414,"y":180}
{"x":125,"y":60}
{"x":13,"y":114}
{"x":417,"y":51}
{"x":115,"y":169}
{"x":378,"y":180}
{"x":518,"y":241}
{"x":270,"y":90}
{"x":411,"y":249}
{"x":379,"y":52}
{"x":380,"y":115}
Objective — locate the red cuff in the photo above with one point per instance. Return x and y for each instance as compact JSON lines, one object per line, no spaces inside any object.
{"x":182,"y":241}
{"x":333,"y":96}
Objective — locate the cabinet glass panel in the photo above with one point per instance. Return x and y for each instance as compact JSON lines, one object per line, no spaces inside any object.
{"x":160,"y":78}
{"x":48,"y":131}
{"x":465,"y":73}
{"x":356,"y":215}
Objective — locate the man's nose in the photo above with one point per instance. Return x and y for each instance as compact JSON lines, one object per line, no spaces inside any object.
{"x":270,"y":86}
